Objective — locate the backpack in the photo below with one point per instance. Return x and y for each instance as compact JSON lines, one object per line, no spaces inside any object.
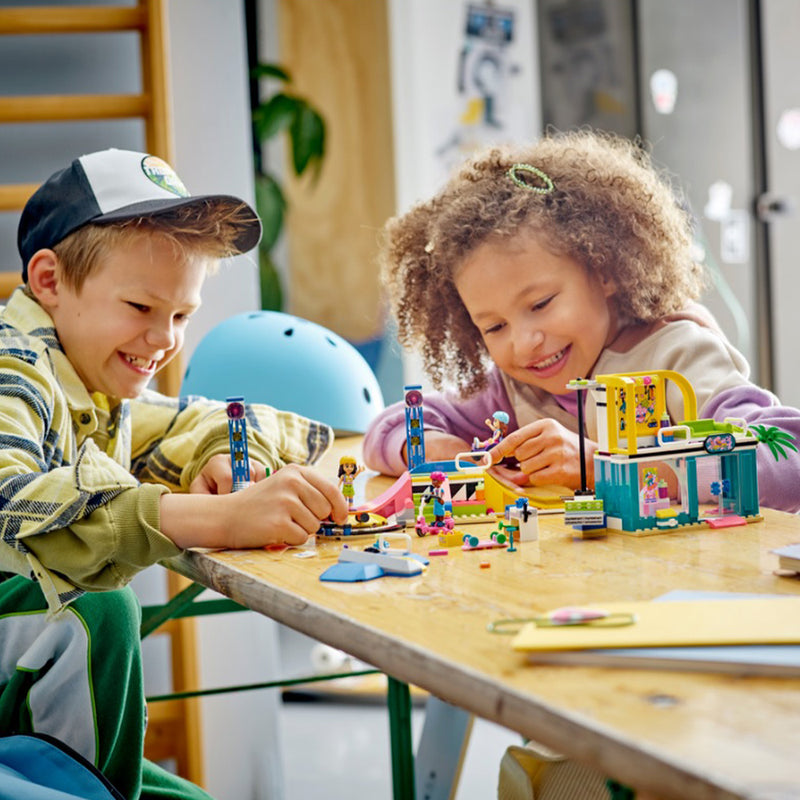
{"x":39,"y":767}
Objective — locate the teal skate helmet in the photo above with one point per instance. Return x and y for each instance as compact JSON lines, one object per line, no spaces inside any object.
{"x":289,"y":363}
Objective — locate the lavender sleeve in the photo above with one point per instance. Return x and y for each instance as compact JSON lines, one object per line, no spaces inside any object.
{"x":386,"y":434}
{"x":778,"y":481}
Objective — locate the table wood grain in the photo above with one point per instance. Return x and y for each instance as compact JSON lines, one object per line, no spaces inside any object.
{"x":675,"y":735}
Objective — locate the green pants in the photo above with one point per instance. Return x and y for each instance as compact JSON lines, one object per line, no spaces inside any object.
{"x":78,"y":677}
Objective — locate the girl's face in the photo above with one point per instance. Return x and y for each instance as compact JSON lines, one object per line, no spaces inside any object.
{"x":543,"y":318}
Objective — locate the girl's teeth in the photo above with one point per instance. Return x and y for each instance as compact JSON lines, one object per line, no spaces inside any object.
{"x":138,"y":362}
{"x":549,"y":361}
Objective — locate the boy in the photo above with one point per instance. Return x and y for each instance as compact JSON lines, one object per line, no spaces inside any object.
{"x":101,"y":477}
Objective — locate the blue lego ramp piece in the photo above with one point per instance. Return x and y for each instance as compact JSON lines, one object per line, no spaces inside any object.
{"x":348,"y":572}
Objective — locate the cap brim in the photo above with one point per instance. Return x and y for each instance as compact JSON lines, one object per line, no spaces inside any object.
{"x":249,"y":230}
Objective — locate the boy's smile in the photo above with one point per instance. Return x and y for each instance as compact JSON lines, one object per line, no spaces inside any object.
{"x":128,"y":320}
{"x":543,"y":318}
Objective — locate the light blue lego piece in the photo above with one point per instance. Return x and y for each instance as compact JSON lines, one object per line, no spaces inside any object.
{"x":351,"y":573}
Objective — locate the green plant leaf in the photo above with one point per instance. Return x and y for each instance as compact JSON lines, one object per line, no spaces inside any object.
{"x":270,"y":71}
{"x":271,"y":206}
{"x":307,"y":132}
{"x":269,"y":282}
{"x":276,"y":115}
{"x":281,"y":112}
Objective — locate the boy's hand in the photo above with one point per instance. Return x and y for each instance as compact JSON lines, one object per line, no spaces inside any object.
{"x":547,"y":453}
{"x":287,"y":508}
{"x":216,"y":476}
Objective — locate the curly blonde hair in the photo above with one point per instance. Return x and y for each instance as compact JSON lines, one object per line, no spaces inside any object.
{"x":610,"y":209}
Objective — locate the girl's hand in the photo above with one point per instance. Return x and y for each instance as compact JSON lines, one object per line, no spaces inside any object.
{"x":547,"y":453}
{"x":216,"y":476}
{"x":440,"y":446}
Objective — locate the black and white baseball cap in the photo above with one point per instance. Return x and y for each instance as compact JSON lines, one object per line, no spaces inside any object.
{"x":108,"y":186}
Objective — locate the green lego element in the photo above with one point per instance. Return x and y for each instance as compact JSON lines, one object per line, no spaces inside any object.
{"x":579,"y":383}
{"x":583,"y":505}
{"x":776,"y":439}
{"x":707,"y":427}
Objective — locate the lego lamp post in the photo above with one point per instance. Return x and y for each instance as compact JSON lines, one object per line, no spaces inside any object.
{"x":237,"y":435}
{"x":415,"y":435}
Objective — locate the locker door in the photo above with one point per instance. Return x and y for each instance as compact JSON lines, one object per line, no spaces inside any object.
{"x":697,"y":111}
{"x":780,"y":27}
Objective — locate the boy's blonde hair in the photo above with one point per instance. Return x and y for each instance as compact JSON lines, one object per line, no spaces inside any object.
{"x":209,"y":233}
{"x":610,"y":209}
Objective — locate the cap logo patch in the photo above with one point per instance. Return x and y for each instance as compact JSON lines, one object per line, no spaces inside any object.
{"x":163,"y":176}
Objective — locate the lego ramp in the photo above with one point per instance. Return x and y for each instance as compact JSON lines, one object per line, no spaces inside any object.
{"x":499,"y":493}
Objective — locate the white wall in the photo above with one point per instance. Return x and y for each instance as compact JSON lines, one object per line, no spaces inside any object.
{"x":433,"y":130}
{"x":213,"y":145}
{"x":435,"y":124}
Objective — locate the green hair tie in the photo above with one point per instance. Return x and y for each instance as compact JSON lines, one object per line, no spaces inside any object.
{"x":542,"y":176}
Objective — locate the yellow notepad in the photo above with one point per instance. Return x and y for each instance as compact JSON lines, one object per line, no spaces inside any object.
{"x":676,"y":623}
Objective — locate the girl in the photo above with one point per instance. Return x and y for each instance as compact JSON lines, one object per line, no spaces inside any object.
{"x":565,"y":259}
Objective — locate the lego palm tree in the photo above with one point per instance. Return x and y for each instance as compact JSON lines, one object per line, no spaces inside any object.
{"x":776,"y":439}
{"x":281,"y":112}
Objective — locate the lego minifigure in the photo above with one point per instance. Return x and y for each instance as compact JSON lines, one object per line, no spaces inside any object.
{"x":348,"y":470}
{"x":436,"y":492}
{"x":498,"y":424}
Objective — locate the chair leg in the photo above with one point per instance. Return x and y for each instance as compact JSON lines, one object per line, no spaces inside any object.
{"x":399,"y":702}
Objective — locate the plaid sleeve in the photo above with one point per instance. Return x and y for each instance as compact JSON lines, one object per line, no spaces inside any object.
{"x":173,"y":438}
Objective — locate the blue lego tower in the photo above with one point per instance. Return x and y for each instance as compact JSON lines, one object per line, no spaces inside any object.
{"x":415,"y":436}
{"x":237,"y":434}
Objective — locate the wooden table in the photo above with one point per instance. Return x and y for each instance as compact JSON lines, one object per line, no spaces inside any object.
{"x":673,"y":734}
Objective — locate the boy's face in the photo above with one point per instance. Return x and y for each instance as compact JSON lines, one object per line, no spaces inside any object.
{"x":542,"y":317}
{"x":129,"y":318}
